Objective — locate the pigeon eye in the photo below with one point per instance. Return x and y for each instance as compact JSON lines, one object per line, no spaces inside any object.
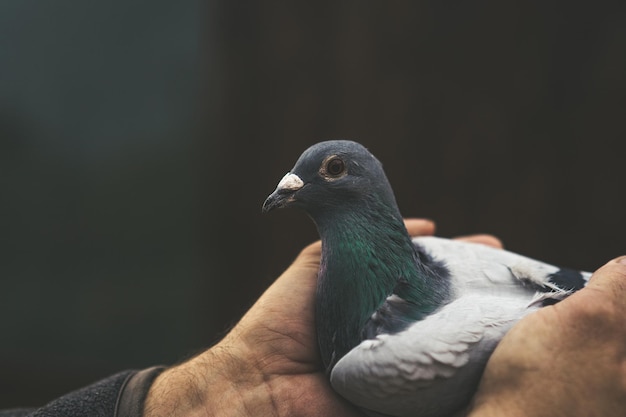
{"x":335,"y":167}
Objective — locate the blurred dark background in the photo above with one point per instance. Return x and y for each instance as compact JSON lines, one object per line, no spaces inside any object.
{"x":139,"y":138}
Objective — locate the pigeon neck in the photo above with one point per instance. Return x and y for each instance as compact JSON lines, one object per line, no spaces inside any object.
{"x":365,"y":254}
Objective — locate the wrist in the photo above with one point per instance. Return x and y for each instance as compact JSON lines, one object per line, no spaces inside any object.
{"x":216,"y":383}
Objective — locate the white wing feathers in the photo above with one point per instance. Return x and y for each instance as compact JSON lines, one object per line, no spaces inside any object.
{"x":471,"y":263}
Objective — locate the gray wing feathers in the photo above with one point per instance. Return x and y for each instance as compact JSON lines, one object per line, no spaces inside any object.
{"x":478,"y":267}
{"x":403,"y":373}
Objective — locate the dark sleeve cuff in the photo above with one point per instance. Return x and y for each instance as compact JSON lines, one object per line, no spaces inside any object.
{"x":134,"y":392}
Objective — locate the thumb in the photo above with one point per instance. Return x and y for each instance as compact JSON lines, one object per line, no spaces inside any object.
{"x":610,"y":280}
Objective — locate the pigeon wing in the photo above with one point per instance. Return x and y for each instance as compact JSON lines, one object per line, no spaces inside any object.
{"x":433,"y":367}
{"x":475,"y":267}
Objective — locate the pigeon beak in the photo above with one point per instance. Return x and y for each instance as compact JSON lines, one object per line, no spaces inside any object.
{"x":283,"y":195}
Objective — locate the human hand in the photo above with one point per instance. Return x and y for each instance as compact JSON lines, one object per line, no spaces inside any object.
{"x":268,"y":365}
{"x":564,"y":360}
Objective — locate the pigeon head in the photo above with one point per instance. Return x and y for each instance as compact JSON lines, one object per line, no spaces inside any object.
{"x":366,"y":249}
{"x":332,"y":176}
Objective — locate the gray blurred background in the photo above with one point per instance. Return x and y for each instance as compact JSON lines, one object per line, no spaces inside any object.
{"x":139,"y":138}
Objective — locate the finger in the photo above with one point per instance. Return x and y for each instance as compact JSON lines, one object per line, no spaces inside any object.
{"x":611,"y":278}
{"x":310,"y":255}
{"x":314,"y":249}
{"x":419,"y":227}
{"x":488,"y":240}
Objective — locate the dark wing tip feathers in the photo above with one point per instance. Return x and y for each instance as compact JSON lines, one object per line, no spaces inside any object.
{"x":567,"y":279}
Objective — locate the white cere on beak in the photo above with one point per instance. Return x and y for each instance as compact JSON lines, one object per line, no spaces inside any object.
{"x":290,"y":182}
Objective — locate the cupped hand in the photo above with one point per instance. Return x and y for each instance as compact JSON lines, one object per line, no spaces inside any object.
{"x":277,"y":335}
{"x":564,"y":360}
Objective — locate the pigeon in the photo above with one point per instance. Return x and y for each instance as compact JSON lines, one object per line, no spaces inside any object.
{"x":405,"y":326}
